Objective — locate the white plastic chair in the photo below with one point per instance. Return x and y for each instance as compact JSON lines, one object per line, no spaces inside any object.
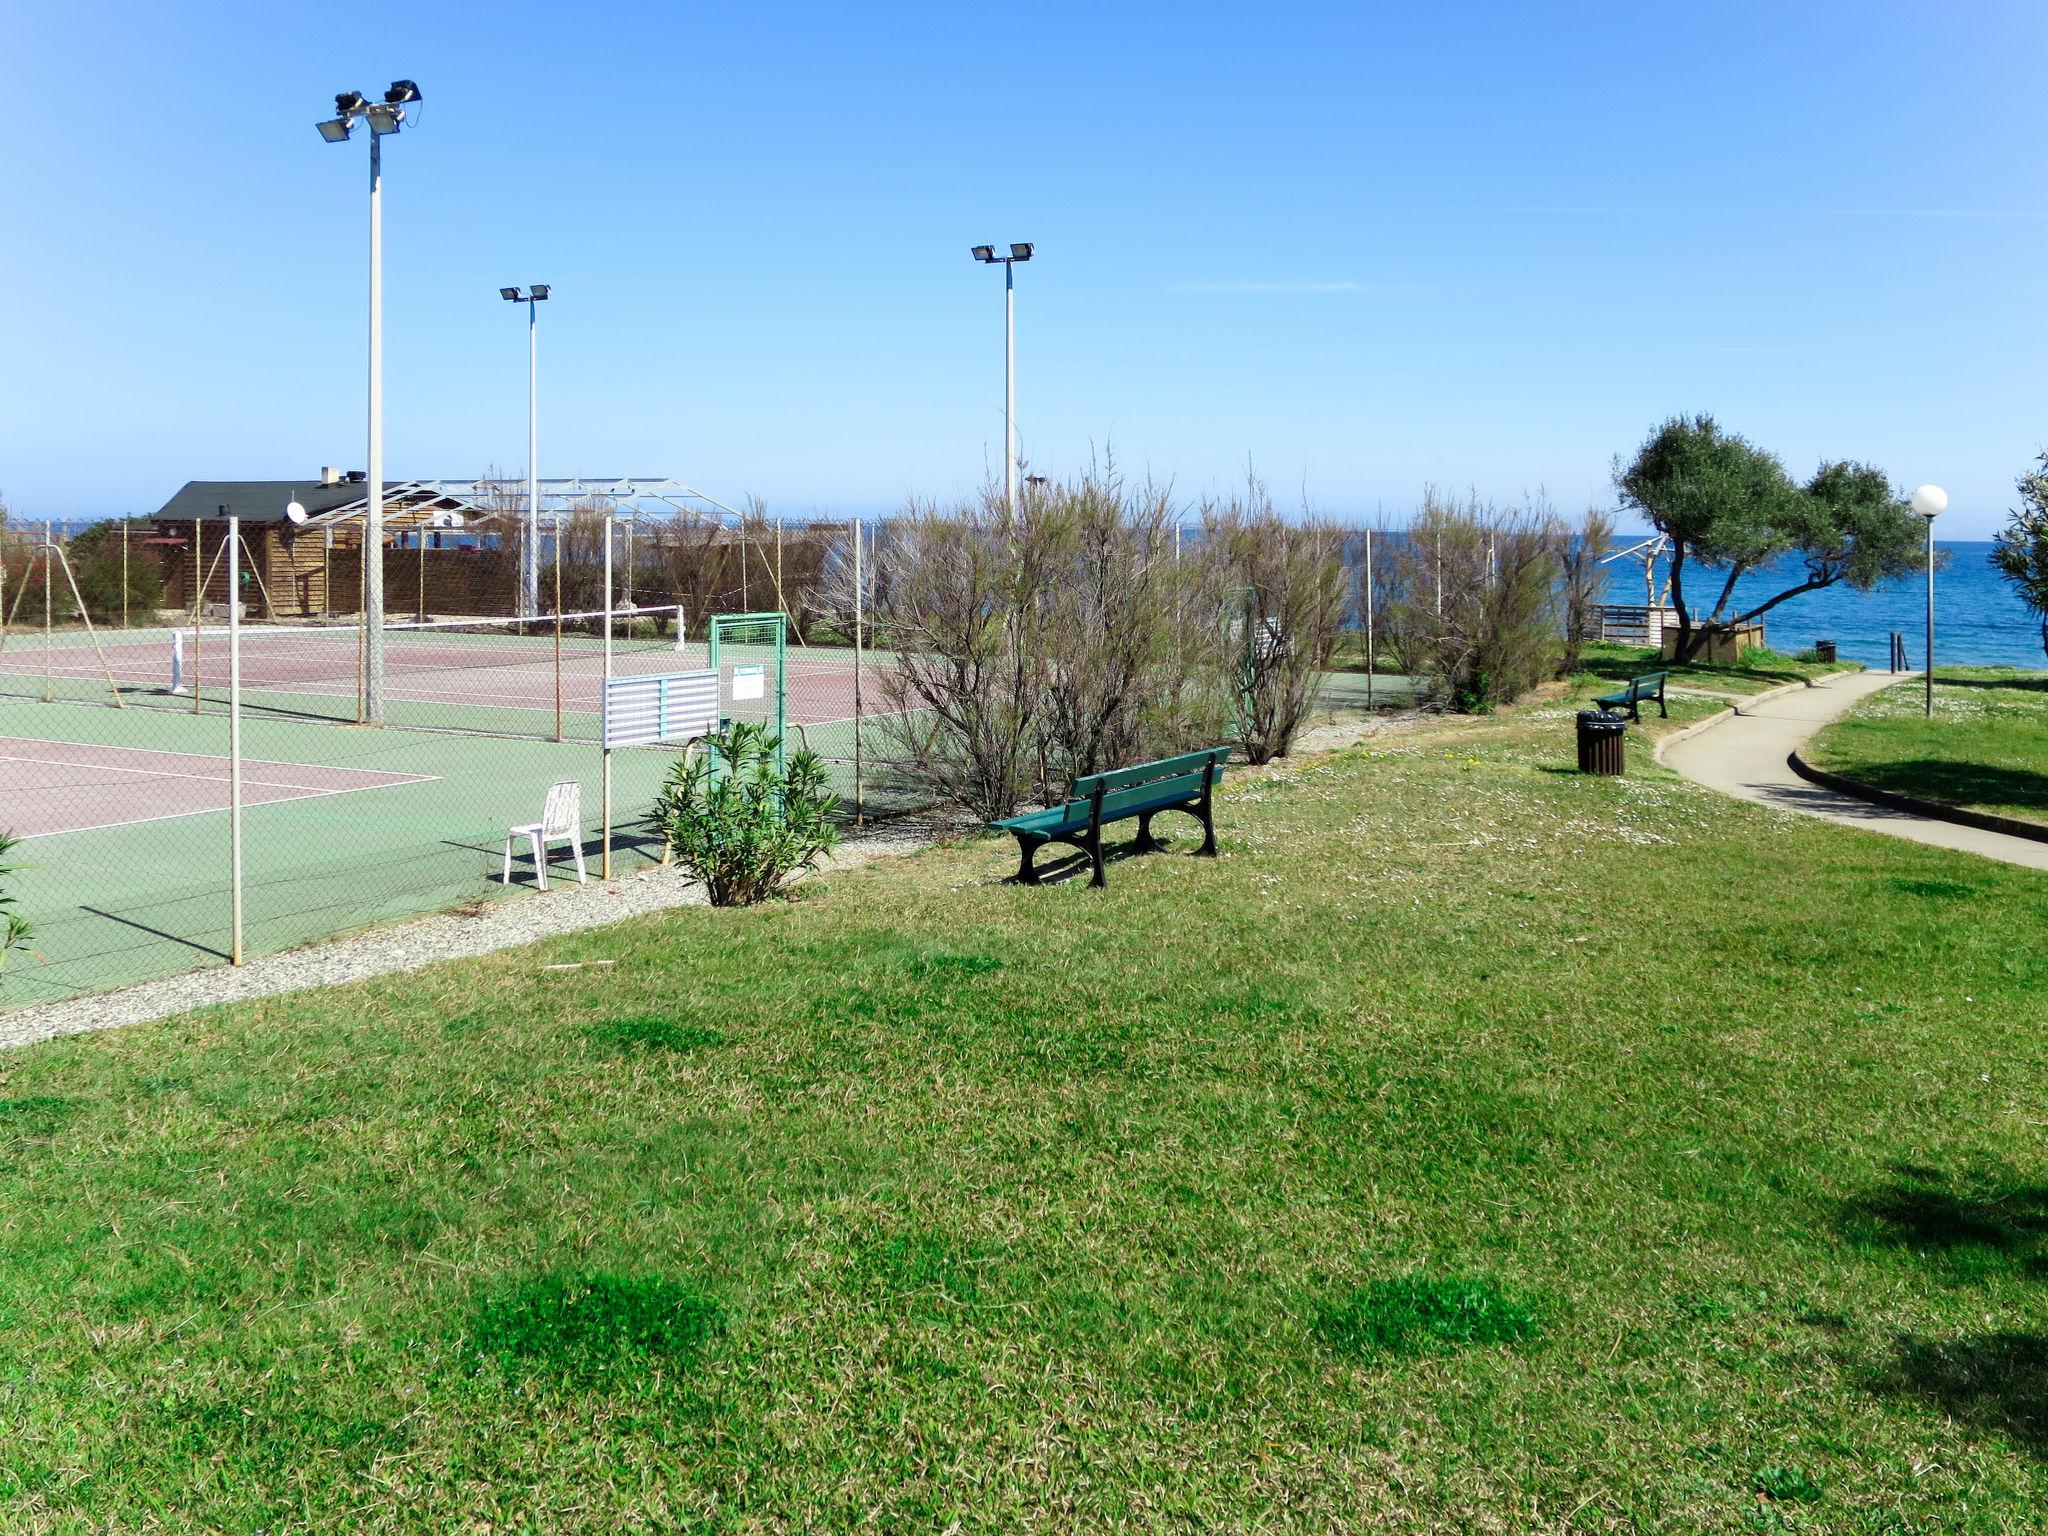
{"x":561,"y":818}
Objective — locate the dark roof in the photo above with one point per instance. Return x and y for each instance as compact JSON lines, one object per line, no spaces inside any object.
{"x":262,"y":501}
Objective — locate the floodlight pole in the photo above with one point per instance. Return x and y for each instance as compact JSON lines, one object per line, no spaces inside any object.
{"x":385,"y":117}
{"x":986,"y":254}
{"x":373,"y":517}
{"x":1010,"y":386}
{"x":530,"y":577}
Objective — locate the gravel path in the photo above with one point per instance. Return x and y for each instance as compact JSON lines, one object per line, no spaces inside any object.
{"x":564,"y":908}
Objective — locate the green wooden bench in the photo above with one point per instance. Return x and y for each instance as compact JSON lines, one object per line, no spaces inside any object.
{"x":1648,"y":686}
{"x":1185,"y":783}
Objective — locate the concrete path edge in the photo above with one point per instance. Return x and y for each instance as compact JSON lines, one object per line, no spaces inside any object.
{"x":1686,"y":732}
{"x":1983,"y":821}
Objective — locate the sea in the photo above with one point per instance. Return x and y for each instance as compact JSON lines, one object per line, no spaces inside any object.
{"x":1978,"y":617}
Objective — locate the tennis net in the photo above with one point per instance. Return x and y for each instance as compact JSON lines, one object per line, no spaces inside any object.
{"x":533,"y":677}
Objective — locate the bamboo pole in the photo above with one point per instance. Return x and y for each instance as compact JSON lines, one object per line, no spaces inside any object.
{"x":198,"y":632}
{"x":256,"y":571}
{"x":85,"y":618}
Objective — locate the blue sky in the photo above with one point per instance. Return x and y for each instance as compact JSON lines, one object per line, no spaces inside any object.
{"x":1363,"y":247}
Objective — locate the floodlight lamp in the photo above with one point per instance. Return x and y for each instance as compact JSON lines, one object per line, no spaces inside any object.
{"x":984,"y":253}
{"x":401,"y":92}
{"x":1020,"y":252}
{"x":540,"y":290}
{"x":334,"y":130}
{"x":385,"y":119}
{"x":1930,"y":501}
{"x":346,"y":102}
{"x":508,"y":293}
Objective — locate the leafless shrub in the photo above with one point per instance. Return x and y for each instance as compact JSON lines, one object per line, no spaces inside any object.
{"x":1285,"y":581}
{"x":1480,"y":611}
{"x":1582,"y":582}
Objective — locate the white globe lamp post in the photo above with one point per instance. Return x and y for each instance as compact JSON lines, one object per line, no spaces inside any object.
{"x":1930,"y":501}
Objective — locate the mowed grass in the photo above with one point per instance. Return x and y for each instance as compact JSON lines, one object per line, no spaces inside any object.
{"x":1986,"y":746}
{"x":1755,"y":671}
{"x":1473,"y":1147}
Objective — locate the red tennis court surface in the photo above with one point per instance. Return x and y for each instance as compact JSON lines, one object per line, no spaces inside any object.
{"x":472,"y":672}
{"x":59,"y":786}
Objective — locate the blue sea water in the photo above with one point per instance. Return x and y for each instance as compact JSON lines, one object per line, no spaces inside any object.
{"x":1978,"y":617}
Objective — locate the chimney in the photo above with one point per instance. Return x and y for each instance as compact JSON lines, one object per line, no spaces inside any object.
{"x":329,"y":475}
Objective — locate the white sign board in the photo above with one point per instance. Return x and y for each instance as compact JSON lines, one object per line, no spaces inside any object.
{"x":749,"y":682}
{"x":673,"y":706}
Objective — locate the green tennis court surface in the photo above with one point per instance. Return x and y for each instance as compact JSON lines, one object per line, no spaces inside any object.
{"x":125,"y":858}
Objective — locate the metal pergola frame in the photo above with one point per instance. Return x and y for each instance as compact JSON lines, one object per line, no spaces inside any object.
{"x":635,"y":498}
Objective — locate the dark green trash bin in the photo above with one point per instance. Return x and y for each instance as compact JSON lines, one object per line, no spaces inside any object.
{"x":1600,"y":740}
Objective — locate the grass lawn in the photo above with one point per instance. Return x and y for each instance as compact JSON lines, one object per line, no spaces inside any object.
{"x":1609,"y":664}
{"x":1474,"y":1147}
{"x":1985,"y":748}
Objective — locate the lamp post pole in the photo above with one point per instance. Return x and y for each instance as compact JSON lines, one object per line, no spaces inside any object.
{"x":1929,"y":705}
{"x":1930,"y":501}
{"x":386,"y":116}
{"x":373,"y":516}
{"x":529,"y":561}
{"x":1019,"y":251}
{"x":1010,"y":386}
{"x":530,"y":595}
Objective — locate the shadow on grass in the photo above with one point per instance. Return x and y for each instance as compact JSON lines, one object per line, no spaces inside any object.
{"x":1609,"y":669}
{"x":2024,"y":683}
{"x":1954,"y":783}
{"x":1999,"y":1227}
{"x":1996,"y":1382}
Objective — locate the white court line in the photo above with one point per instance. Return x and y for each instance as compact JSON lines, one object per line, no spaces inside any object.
{"x":211,"y":757}
{"x":215,"y":810}
{"x":222,"y":777}
{"x":541,"y":700}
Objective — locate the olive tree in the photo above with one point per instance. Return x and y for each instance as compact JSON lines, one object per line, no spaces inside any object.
{"x":2021,"y":550}
{"x":1729,"y":507}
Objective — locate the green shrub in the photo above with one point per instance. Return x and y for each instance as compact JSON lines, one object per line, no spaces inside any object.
{"x":1413,"y":1314}
{"x":582,"y":1322}
{"x":740,"y":824}
{"x":15,"y":930}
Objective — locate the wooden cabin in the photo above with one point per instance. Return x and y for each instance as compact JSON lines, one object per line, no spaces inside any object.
{"x":302,"y":553}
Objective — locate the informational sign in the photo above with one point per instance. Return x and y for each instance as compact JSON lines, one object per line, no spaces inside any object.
{"x":749,"y":682}
{"x":673,"y":706}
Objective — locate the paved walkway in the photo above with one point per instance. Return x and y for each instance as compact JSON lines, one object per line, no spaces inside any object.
{"x":1746,"y":757}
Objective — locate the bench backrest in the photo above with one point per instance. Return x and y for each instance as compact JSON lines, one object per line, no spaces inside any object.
{"x":1649,"y":682}
{"x":1122,"y":788}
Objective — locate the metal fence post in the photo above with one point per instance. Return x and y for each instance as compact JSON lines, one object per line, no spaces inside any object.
{"x":234,"y":742}
{"x":859,"y":809}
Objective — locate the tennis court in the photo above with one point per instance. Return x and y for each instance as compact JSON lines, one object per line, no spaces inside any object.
{"x":122,"y":812}
{"x":124,"y":815}
{"x":47,"y":787}
{"x":501,"y":678}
